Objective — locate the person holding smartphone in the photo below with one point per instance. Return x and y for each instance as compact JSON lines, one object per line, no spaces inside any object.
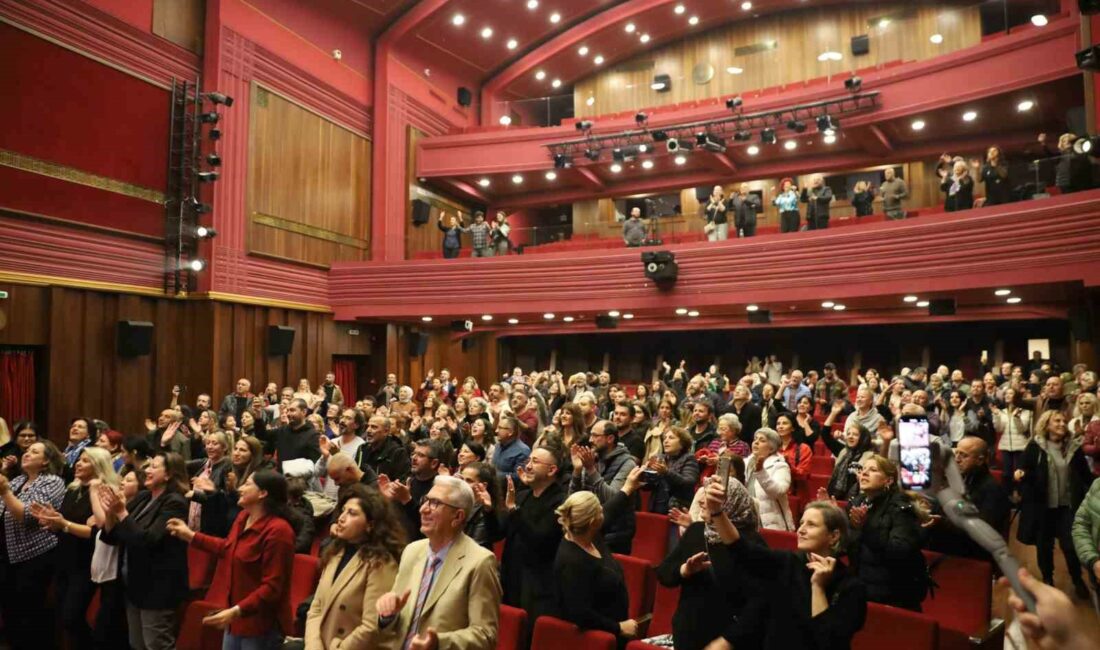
{"x":717,"y":226}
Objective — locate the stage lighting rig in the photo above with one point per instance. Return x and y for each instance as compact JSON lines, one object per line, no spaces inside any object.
{"x":853,"y":84}
{"x":209,"y":118}
{"x":584,"y":126}
{"x":640,"y":118}
{"x":797,"y":126}
{"x":592,"y":154}
{"x":219,"y":98}
{"x":734,"y":103}
{"x":767,"y":136}
{"x":827,"y":124}
{"x":710,"y":142}
{"x":562,"y":161}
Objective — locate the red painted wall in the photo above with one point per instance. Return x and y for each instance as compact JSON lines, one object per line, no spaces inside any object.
{"x":138,"y":13}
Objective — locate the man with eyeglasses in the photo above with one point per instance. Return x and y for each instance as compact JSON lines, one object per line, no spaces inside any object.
{"x":602,"y":470}
{"x":512,"y":453}
{"x":447,"y":592}
{"x":425,"y":461}
{"x":532,"y":532}
{"x":989,"y":496}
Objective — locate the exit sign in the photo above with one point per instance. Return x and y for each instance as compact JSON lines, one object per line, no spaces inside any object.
{"x":3,"y":295}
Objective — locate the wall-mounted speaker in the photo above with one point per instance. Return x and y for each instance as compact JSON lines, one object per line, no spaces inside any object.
{"x":661,"y":267}
{"x":135,"y":338}
{"x":418,"y":344}
{"x":465,"y":97}
{"x":941,"y":307}
{"x":280,"y":340}
{"x":861,"y":45}
{"x":462,"y":326}
{"x":421,"y":211}
{"x":760,"y":317}
{"x":605,"y":322}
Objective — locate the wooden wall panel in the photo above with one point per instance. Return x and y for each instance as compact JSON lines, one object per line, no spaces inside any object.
{"x":180,"y":21}
{"x":443,"y":351}
{"x":308,"y":184}
{"x":800,"y":37}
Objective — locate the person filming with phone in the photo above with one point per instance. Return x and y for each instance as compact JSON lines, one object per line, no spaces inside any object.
{"x":717,"y":226}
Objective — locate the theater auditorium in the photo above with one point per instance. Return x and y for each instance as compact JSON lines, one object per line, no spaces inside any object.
{"x":542,"y":324}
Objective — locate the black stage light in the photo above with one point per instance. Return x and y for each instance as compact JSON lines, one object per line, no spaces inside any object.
{"x":198,"y":207}
{"x":205,"y":232}
{"x":659,"y":136}
{"x":215,"y":134}
{"x":827,"y":123}
{"x":675,"y":144}
{"x":1089,"y":58}
{"x":710,"y":142}
{"x":797,"y":126}
{"x":767,"y":136}
{"x":592,"y":154}
{"x":196,"y":265}
{"x":584,"y":125}
{"x":1087,"y":145}
{"x":214,"y":160}
{"x":209,"y":118}
{"x":853,"y":84}
{"x":734,"y":103}
{"x":661,"y":267}
{"x":562,"y":161}
{"x":640,"y":118}
{"x":743,"y":136}
{"x":207,"y":177}
{"x":219,"y":98}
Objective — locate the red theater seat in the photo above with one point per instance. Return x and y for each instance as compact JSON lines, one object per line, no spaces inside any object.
{"x":303,"y":582}
{"x":200,"y":568}
{"x":650,"y":537}
{"x":822,"y":464}
{"x":897,"y":629}
{"x":640,"y":578}
{"x":555,"y":634}
{"x":962,"y":602}
{"x":513,"y":626}
{"x":665,"y":600}
{"x":780,"y":539}
{"x":193,"y":634}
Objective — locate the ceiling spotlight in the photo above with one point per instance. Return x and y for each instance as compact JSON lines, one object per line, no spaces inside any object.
{"x":613,"y":313}
{"x":214,"y":160}
{"x":486,"y":32}
{"x":487,"y":317}
{"x":936,"y":39}
{"x":910,"y":298}
{"x":562,"y":161}
{"x":647,"y":164}
{"x":583,"y":125}
{"x":710,"y":142}
{"x":970,"y":116}
{"x":551,"y":175}
{"x":922,"y":304}
{"x":1039,"y":20}
{"x":680,"y":160}
{"x":207,"y":177}
{"x":548,"y":316}
{"x":628,"y":316}
{"x":767,"y":136}
{"x":797,"y":126}
{"x":752,"y":150}
{"x":214,"y":134}
{"x":640,"y":118}
{"x":592,"y":154}
{"x":790,"y":145}
{"x":458,"y":20}
{"x":1025,"y":106}
{"x":742,"y":136}
{"x":752,"y":308}
{"x":682,"y":311}
{"x":839,"y":307}
{"x":205,"y":232}
{"x":745,"y":6}
{"x":1014,"y":300}
{"x":1085,"y":145}
{"x":567,"y":319}
{"x":676,"y":144}
{"x":1002,"y":292}
{"x":512,"y":43}
{"x":644,"y":38}
{"x":555,"y":17}
{"x":853,"y":84}
{"x":598,"y":60}
{"x":734,"y":103}
{"x":532,"y":4}
{"x":540,"y":75}
{"x":513,"y":321}
{"x":659,"y":136}
{"x":505,"y":120}
{"x":694,"y":20}
{"x":484,"y":182}
{"x":583,"y":51}
{"x":219,"y":98}
{"x":209,"y":118}
{"x":918,"y":125}
{"x":827,"y":123}
{"x":517,"y":179}
{"x":643,"y":147}
{"x":830,"y":138}
{"x":829,"y":55}
{"x":693,"y":313}
{"x":616,"y":168}
{"x":629,"y":28}
{"x":426,"y":319}
{"x":590,"y":101}
{"x":196,"y":265}
{"x":828,"y":304}
{"x":556,"y":83}
{"x":197,"y":206}
{"x":734,"y":70}
{"x":679,"y":9}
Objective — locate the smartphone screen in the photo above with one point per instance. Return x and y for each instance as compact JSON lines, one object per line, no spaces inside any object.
{"x":916,"y":452}
{"x":723,"y":471}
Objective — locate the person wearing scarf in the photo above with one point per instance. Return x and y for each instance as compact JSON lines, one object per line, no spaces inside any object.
{"x":850,"y":450}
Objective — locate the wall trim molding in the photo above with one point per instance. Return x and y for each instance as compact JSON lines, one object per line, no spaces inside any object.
{"x":38,"y":280}
{"x":218,"y":296}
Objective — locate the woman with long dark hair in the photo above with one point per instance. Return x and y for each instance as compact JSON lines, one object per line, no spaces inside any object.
{"x":483,"y":524}
{"x":25,"y":434}
{"x":252,"y":583}
{"x":357,"y":568}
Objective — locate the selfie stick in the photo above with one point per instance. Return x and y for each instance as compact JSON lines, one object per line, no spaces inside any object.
{"x":964,"y":515}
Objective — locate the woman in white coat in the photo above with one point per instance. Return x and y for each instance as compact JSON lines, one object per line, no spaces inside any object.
{"x":768,"y":478}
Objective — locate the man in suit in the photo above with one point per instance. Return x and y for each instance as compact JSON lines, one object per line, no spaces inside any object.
{"x":447,"y":592}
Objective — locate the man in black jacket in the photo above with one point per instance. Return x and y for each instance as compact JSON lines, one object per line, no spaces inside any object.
{"x":383,"y":453}
{"x":297,"y":438}
{"x":972,"y":457}
{"x":237,"y":402}
{"x":818,"y":197}
{"x":745,"y":205}
{"x":406,"y":496}
{"x":632,"y":439}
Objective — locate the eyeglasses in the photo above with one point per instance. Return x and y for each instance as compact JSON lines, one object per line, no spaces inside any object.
{"x":433,"y":503}
{"x":539,"y":462}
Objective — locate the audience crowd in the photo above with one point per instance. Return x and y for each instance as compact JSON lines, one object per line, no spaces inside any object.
{"x":406,"y":495}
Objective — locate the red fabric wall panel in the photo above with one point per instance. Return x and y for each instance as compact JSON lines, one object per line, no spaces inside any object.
{"x":16,"y":385}
{"x":68,"y":109}
{"x":346,"y":379}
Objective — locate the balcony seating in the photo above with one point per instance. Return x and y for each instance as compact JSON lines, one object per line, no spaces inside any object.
{"x":554,"y":634}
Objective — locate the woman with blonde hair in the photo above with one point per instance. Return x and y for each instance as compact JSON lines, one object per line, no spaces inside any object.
{"x":863,"y":198}
{"x":1084,"y":414}
{"x":208,"y":508}
{"x":958,"y":188}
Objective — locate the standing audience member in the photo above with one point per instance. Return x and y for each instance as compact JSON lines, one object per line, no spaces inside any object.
{"x":25,"y":436}
{"x":818,"y":197}
{"x":29,"y":547}
{"x":208,"y":509}
{"x":297,"y":438}
{"x":786,"y":200}
{"x":1086,"y":534}
{"x":480,"y":240}
{"x":994,"y":175}
{"x":82,"y":432}
{"x":426,"y":460}
{"x":501,"y":231}
{"x":717,"y":222}
{"x":634,"y":229}
{"x":357,"y":568}
{"x":958,"y":188}
{"x":511,"y":452}
{"x":893,"y":191}
{"x":673,"y":474}
{"x":799,"y":455}
{"x":452,"y":234}
{"x":1054,"y":477}
{"x":863,"y":199}
{"x":603,"y":470}
{"x":252,"y":584}
{"x":852,"y":449}
{"x":768,"y":479}
{"x":1013,"y":426}
{"x":384,"y":453}
{"x":745,"y":205}
{"x":238,"y":401}
{"x":483,"y":526}
{"x":971,"y":457}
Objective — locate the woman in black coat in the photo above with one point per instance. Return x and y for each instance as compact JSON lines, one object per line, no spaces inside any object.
{"x":209,"y":506}
{"x":958,"y":188}
{"x":1054,"y":477}
{"x":995,"y":178}
{"x":863,"y":198}
{"x":886,"y":547}
{"x":154,"y":564}
{"x":673,"y":473}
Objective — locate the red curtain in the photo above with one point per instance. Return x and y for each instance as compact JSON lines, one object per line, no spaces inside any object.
{"x":345,"y":372}
{"x":16,"y":385}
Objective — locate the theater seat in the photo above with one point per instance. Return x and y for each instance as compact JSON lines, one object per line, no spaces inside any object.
{"x":642,"y":645}
{"x":963,"y":600}
{"x":640,"y":578}
{"x":498,"y":550}
{"x":200,"y":569}
{"x":193,"y":634}
{"x":665,"y":600}
{"x":817,"y":481}
{"x":822,"y":464}
{"x":513,"y":628}
{"x":897,"y":629}
{"x":555,"y":634}
{"x":780,"y":539}
{"x":650,"y":537}
{"x":303,"y":582}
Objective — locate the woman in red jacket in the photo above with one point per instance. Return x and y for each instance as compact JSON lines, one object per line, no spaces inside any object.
{"x":798,"y":454}
{"x":252,"y":583}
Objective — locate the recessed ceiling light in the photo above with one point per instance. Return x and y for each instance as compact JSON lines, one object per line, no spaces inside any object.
{"x":555,"y":17}
{"x":630,"y":28}
{"x":694,"y":20}
{"x":693,"y":313}
{"x":752,"y":308}
{"x":679,"y":9}
{"x":839,"y":307}
{"x":752,"y":150}
{"x":922,"y":303}
{"x":551,"y":175}
{"x":590,"y":101}
{"x":486,"y":32}
{"x":512,"y":43}
{"x":568,"y":319}
{"x":829,"y":138}
{"x":1025,"y":106}
{"x":556,"y":83}
{"x":828,"y":304}
{"x":532,"y":4}
{"x":910,"y":298}
{"x":680,"y":160}
{"x":598,"y":60}
{"x":745,"y":6}
{"x":1014,"y":300}
{"x":616,"y":168}
{"x":486,"y":317}
{"x":505,"y":120}
{"x":734,"y":70}
{"x":829,"y":55}
{"x":583,"y":51}
{"x":484,"y":182}
{"x":613,"y":313}
{"x":647,"y":164}
{"x":1039,"y":20}
{"x":513,"y":321}
{"x":936,"y":38}
{"x":517,"y":179}
{"x":644,"y":38}
{"x":1002,"y":292}
{"x":540,"y":75}
{"x":970,"y":116}
{"x":426,"y":319}
{"x":681,"y":311}
{"x":883,"y":23}
{"x":628,"y":316}
{"x":458,"y":20}
{"x":790,"y":145}
{"x":548,"y":316}
{"x":917,"y":125}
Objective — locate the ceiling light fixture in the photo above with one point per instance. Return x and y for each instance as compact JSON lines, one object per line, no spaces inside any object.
{"x":505,"y":120}
{"x":745,"y":6}
{"x":550,"y":176}
{"x":694,"y":20}
{"x":426,"y":319}
{"x":598,"y":60}
{"x":734,"y":70}
{"x":484,"y":182}
{"x":548,"y":316}
{"x":680,"y":160}
{"x":512,"y":44}
{"x":458,"y":20}
{"x":555,"y":17}
{"x":922,"y":303}
{"x":628,"y":316}
{"x":790,"y":145}
{"x":918,"y":125}
{"x":681,"y":311}
{"x":583,"y":51}
{"x":616,"y":168}
{"x":936,"y":39}
{"x":910,"y":298}
{"x":644,"y":38}
{"x":1014,"y":300}
{"x":679,"y":9}
{"x":613,"y":313}
{"x":970,"y":116}
{"x":752,"y":150}
{"x":486,"y":32}
{"x":1002,"y":292}
{"x":630,"y":28}
{"x":693,"y":313}
{"x":647,"y":164}
{"x":830,"y":138}
{"x":567,"y":319}
{"x":752,"y":308}
{"x":517,"y":179}
{"x":1039,"y":20}
{"x":532,"y":4}
{"x":486,"y":317}
{"x":540,"y":75}
{"x":591,"y":101}
{"x":556,"y":83}
{"x":513,"y":321}
{"x":1025,"y":106}
{"x":839,"y":307}
{"x":828,"y":304}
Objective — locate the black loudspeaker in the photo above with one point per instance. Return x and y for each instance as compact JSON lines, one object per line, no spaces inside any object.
{"x":861,"y":45}
{"x":418,"y":344}
{"x":941,"y":307}
{"x":135,"y":338}
{"x":280,"y":340}
{"x":761,"y":317}
{"x":467,"y":344}
{"x":605,"y":322}
{"x":661,"y":267}
{"x":462,"y":326}
{"x":465,"y":97}
{"x":421,"y":211}
{"x":1080,"y":323}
